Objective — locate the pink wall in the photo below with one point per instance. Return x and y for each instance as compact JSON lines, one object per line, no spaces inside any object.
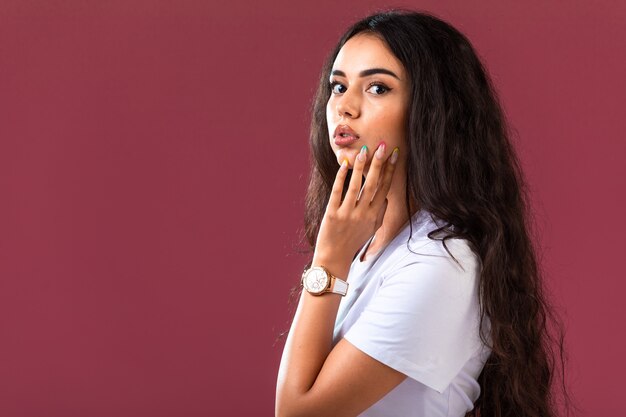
{"x":153,"y":163}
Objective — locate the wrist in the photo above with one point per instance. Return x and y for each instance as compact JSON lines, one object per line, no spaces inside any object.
{"x":337,"y":268}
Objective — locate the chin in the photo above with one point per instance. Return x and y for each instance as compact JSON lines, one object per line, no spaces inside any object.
{"x":346,"y":153}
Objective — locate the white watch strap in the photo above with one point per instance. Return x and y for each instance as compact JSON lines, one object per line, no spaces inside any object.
{"x":339,"y":287}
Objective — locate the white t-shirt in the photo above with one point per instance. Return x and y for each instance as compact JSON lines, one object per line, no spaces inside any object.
{"x":418,"y":313}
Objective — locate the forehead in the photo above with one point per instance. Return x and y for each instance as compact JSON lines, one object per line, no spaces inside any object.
{"x":365,"y":51}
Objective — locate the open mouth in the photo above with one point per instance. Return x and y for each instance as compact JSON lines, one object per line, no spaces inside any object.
{"x":344,"y":135}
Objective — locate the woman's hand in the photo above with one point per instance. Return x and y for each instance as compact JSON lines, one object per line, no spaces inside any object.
{"x":348,"y":224}
{"x":316,"y":376}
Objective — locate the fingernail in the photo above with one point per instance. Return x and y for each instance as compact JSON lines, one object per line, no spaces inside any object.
{"x":394,"y":156}
{"x":380,"y":152}
{"x":344,"y":164}
{"x":363,"y":154}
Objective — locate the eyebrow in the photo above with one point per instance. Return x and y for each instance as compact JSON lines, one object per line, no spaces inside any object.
{"x":368,"y":72}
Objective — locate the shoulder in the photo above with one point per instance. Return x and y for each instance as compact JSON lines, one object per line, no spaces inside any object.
{"x":422,"y":317}
{"x":416,"y":250}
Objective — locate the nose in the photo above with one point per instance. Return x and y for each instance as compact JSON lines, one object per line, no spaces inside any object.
{"x":348,"y":105}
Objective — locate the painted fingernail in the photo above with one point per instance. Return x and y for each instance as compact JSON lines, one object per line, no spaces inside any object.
{"x":344,"y":165}
{"x":394,"y":156}
{"x":363,"y":154}
{"x":380,"y":152}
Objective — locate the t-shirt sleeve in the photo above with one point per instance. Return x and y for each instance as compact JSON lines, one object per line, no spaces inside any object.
{"x":424,"y":319}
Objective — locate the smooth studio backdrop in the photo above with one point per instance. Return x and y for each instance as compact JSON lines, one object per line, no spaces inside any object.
{"x":153,"y":164}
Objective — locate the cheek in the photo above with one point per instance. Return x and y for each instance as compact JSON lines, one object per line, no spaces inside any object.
{"x":390,"y":127}
{"x":328,"y":116}
{"x":395,"y":125}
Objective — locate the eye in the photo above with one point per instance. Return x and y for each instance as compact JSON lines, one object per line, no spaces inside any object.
{"x":378,"y":89}
{"x":337,"y":88}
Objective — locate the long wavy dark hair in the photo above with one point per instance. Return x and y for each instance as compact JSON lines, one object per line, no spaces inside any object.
{"x":462,"y":168}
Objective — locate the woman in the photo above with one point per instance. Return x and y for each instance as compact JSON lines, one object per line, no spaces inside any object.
{"x":423,"y":297}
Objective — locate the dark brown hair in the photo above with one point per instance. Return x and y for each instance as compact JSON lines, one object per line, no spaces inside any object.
{"x":462,"y":168}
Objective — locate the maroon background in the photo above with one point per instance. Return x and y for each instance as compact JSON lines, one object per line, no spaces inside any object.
{"x":153,"y":164}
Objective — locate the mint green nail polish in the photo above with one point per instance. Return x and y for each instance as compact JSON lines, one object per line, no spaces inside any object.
{"x":362,"y":156}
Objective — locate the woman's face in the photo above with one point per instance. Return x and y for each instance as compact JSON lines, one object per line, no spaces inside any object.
{"x":369,"y":100}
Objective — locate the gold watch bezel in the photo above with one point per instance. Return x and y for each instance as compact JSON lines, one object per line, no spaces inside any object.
{"x":329,"y":278}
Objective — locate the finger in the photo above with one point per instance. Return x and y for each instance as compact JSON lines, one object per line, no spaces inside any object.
{"x":357,"y":177}
{"x":385,"y":183}
{"x":373,"y":175}
{"x":381,"y":214}
{"x":335,"y":195}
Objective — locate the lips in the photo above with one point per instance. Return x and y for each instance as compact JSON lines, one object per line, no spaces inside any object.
{"x":344,"y":135}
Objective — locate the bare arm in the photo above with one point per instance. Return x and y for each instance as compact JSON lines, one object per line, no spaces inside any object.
{"x":314,"y":378}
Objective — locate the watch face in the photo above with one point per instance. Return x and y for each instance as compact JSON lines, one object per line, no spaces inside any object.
{"x":316,"y":280}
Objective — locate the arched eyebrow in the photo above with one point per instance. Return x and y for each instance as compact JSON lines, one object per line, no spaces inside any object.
{"x":368,"y":72}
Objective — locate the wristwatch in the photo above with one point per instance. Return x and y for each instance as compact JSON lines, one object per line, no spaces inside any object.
{"x":318,"y":280}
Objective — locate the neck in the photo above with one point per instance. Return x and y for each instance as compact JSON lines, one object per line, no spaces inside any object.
{"x":396,"y":215}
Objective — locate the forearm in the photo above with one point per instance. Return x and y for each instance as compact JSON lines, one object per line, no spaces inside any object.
{"x":305,"y":386}
{"x":307,"y":347}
